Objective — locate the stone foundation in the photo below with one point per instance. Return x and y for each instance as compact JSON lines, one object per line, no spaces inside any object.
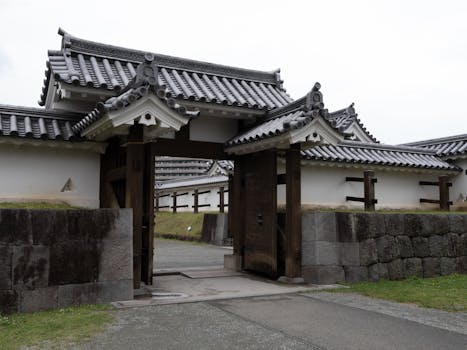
{"x":351,"y":247}
{"x":59,"y":258}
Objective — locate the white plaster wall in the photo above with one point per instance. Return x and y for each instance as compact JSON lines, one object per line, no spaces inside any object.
{"x":212,"y":129}
{"x":211,"y":198}
{"x":29,"y":173}
{"x":458,"y":191}
{"x":326,"y":186}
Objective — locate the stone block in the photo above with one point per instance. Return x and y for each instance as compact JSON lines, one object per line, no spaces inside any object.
{"x":421,"y":247}
{"x":15,"y":226}
{"x":431,"y":267}
{"x":462,"y":245}
{"x":356,"y":273}
{"x":405,"y":246}
{"x":378,"y":272}
{"x":114,"y":291}
{"x":5,"y":267}
{"x":122,"y":227}
{"x":457,"y":223}
{"x":438,"y":246}
{"x":368,"y":225}
{"x":448,"y":266}
{"x":434,"y":224}
{"x":387,"y":248}
{"x":396,"y":270}
{"x":413,"y":267}
{"x":412,"y":225}
{"x":73,"y":262}
{"x":462,"y":264}
{"x":309,"y":226}
{"x":116,"y":260}
{"x":233,"y":262}
{"x":39,"y":299}
{"x":321,"y":253}
{"x":9,"y":302}
{"x":345,"y":224}
{"x":49,"y":226}
{"x":77,"y":294}
{"x":30,"y":266}
{"x":323,"y":274}
{"x":349,"y":253}
{"x":452,"y":244}
{"x":85,"y":224}
{"x":368,"y":252}
{"x":325,"y":226}
{"x":394,"y":224}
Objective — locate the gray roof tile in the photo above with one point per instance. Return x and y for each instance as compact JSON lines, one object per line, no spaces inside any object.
{"x":37,"y":123}
{"x":451,"y":146}
{"x":344,"y":118}
{"x":86,"y":63}
{"x":377,"y":154}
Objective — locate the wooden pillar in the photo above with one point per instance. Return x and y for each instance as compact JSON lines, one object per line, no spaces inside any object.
{"x":236,"y":217}
{"x":221,"y":199}
{"x":444,"y":192}
{"x":174,"y":202}
{"x":134,"y":194}
{"x":156,"y":207}
{"x":148,"y":217}
{"x":195,"y":201}
{"x":293,"y":219}
{"x":369,"y":189}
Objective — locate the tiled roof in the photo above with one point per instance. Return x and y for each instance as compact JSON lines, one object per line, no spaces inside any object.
{"x":295,"y":115}
{"x":377,"y":154}
{"x":191,"y":181}
{"x":37,"y":123}
{"x":143,"y":83}
{"x":86,"y":63}
{"x":446,"y":146}
{"x":176,"y":167}
{"x":343,"y":119}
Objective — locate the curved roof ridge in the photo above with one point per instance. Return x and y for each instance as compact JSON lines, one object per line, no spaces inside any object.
{"x":72,"y":43}
{"x":40,"y":112}
{"x":429,"y":142}
{"x":382,"y":146}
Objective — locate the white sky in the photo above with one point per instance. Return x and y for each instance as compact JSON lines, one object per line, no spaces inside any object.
{"x":403,"y":63}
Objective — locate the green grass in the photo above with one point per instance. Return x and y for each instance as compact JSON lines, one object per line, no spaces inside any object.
{"x":447,"y":293}
{"x":177,"y":224}
{"x":53,"y":329}
{"x":35,"y":205}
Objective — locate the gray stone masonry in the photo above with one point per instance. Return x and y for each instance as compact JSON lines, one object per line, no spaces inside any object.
{"x":59,"y":258}
{"x":342,"y":246}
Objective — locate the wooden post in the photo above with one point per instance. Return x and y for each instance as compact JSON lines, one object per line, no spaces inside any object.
{"x":293,"y":220}
{"x":195,"y":201}
{"x":444,"y":193}
{"x":148,"y":218}
{"x":236,"y":217}
{"x":369,"y":189}
{"x":134,"y":194}
{"x":221,"y":199}
{"x":156,"y":207}
{"x":174,"y":202}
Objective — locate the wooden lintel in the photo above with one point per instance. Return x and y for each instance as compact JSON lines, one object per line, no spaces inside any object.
{"x":190,"y":149}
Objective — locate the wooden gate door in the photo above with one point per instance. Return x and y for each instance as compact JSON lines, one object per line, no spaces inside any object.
{"x":260,"y":205}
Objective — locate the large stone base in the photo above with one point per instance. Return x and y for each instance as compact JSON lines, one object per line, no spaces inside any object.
{"x":233,"y":262}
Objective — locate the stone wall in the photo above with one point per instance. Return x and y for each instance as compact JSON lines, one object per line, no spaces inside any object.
{"x":350,"y":247}
{"x":58,"y":258}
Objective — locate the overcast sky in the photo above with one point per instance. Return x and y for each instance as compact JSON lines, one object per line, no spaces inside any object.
{"x":403,"y":63}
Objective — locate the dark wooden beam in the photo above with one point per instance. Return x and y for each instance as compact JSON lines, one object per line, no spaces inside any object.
{"x":195,"y":201}
{"x":174,"y":202}
{"x":236,"y":208}
{"x":148,"y":216}
{"x":193,"y":149}
{"x":444,"y":193}
{"x":281,"y":179}
{"x":134,"y":194}
{"x":293,"y":220}
{"x":221,"y":199}
{"x":369,"y":189}
{"x":116,"y":174}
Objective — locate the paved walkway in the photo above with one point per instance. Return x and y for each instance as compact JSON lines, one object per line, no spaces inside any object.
{"x":172,"y":254}
{"x":287,"y":321}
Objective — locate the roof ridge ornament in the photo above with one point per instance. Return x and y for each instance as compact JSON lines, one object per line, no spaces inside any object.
{"x":314,"y":99}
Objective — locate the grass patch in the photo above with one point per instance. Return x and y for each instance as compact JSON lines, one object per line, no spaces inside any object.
{"x":53,"y":329}
{"x":447,"y":293}
{"x":177,"y":224}
{"x":35,"y":205}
